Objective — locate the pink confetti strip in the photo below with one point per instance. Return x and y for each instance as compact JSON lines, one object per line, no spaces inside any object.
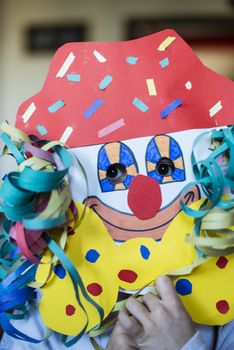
{"x":40,"y":153}
{"x":110,"y":128}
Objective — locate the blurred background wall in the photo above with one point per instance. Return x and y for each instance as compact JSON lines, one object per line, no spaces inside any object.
{"x":23,"y":70}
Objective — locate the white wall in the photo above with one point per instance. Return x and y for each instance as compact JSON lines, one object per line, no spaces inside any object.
{"x":22,"y":74}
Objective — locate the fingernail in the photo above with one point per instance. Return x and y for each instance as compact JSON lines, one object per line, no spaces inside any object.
{"x":162,"y":278}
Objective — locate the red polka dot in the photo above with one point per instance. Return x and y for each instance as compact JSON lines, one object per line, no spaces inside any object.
{"x":222,"y":262}
{"x":95,"y":289}
{"x":70,"y":310}
{"x":127,"y":276}
{"x":222,"y":306}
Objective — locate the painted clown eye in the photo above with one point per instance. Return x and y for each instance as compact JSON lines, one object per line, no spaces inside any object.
{"x":164,"y":160}
{"x":116,"y":173}
{"x":116,"y":167}
{"x":165,"y":166}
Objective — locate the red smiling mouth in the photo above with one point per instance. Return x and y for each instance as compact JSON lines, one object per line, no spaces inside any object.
{"x":123,"y":226}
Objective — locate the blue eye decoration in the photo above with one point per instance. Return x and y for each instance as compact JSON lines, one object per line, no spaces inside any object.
{"x":116,"y":167}
{"x":164,"y":160}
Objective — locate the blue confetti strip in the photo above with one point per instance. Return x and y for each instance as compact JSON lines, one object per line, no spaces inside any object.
{"x":42,"y":130}
{"x":92,"y":109}
{"x":105,"y":82}
{"x":57,"y":105}
{"x":73,"y":77}
{"x":164,"y":63}
{"x":140,"y":105}
{"x":170,"y":108}
{"x":132,"y":60}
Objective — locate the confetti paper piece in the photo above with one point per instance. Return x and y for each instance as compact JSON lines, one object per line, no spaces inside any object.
{"x":56,"y":106}
{"x":110,"y":128}
{"x":73,"y":77}
{"x":215,"y":109}
{"x":93,"y":108}
{"x":170,"y":108}
{"x":164,"y":63}
{"x":29,"y":112}
{"x":67,"y":133}
{"x":140,"y":105}
{"x":188,"y":85}
{"x":132,"y":60}
{"x":167,"y":42}
{"x":105,"y":82}
{"x":151,"y":87}
{"x":42,"y":130}
{"x":99,"y":57}
{"x":66,"y":65}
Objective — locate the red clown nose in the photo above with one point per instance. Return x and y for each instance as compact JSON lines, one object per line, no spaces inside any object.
{"x":144,"y":197}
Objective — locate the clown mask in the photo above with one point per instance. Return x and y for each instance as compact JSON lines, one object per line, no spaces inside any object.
{"x":130,"y":113}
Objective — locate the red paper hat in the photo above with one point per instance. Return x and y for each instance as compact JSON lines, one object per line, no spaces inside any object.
{"x":98,"y":92}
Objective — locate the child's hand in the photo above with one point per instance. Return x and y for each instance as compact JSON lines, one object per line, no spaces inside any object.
{"x":158,"y":323}
{"x":121,"y":340}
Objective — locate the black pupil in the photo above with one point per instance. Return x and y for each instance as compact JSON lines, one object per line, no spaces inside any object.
{"x":116,"y":173}
{"x":112,"y":172}
{"x":165,"y":167}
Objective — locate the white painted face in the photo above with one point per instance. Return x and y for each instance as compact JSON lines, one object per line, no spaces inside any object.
{"x":111,"y":168}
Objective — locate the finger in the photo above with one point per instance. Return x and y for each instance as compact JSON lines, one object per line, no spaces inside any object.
{"x":119,"y":339}
{"x":129,"y":323}
{"x":167,"y":291}
{"x":151,"y":301}
{"x":139,"y":311}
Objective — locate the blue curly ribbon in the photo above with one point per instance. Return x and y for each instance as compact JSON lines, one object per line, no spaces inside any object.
{"x":19,"y":195}
{"x":211,"y":178}
{"x":209,"y":175}
{"x":13,"y":294}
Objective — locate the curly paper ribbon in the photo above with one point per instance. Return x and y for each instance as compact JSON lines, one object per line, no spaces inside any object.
{"x":213,"y":233}
{"x":37,"y":202}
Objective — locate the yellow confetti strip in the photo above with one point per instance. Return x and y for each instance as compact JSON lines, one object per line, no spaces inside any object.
{"x":167,"y":42}
{"x":151,"y":87}
{"x":67,"y":133}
